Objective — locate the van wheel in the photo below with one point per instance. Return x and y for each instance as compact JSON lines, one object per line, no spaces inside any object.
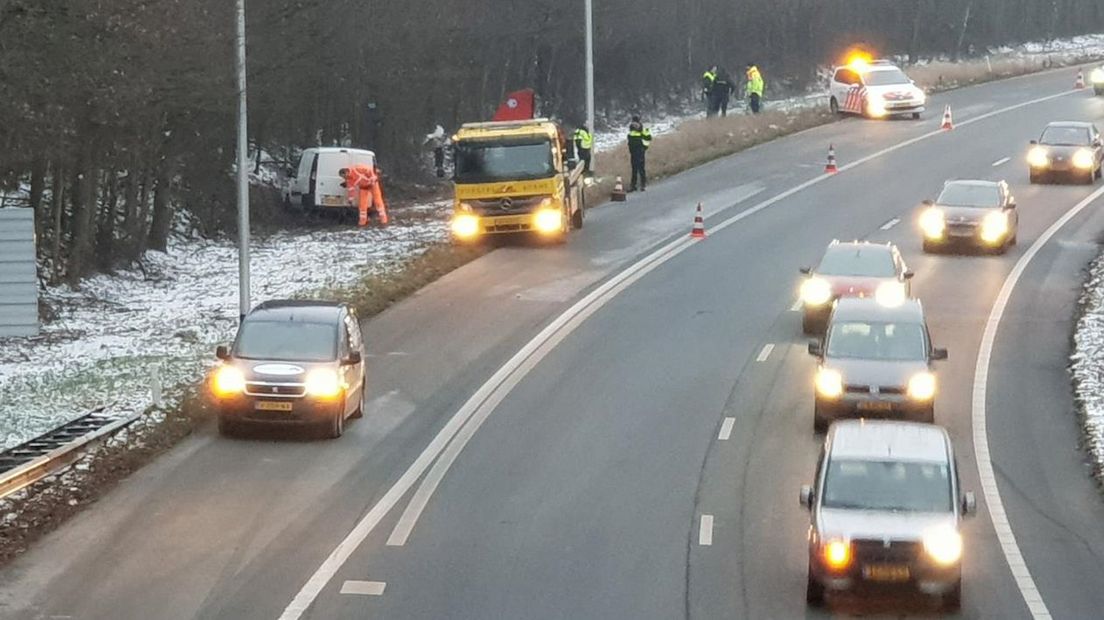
{"x":820,"y":423}
{"x":952,"y":601}
{"x":337,"y":426}
{"x":814,"y":591}
{"x":833,"y":105}
{"x":809,"y":325}
{"x":915,"y":116}
{"x":228,"y":427}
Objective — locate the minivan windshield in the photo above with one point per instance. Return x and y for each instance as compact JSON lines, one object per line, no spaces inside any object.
{"x":486,"y":162}
{"x":877,"y":341}
{"x":863,"y":261}
{"x":969,"y":195}
{"x":888,"y":485}
{"x":287,"y":341}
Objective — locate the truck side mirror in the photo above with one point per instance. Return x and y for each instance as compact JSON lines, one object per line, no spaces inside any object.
{"x":222,"y":352}
{"x":806,"y":496}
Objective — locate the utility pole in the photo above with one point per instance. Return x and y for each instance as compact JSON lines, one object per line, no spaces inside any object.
{"x":243,"y":172}
{"x":590,"y":72}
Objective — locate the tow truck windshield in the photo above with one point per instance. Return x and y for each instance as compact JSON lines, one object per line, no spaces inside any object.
{"x":287,"y":341}
{"x":487,"y":162}
{"x":898,"y":486}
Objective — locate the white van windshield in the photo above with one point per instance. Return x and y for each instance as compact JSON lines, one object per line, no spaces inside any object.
{"x":888,"y":485}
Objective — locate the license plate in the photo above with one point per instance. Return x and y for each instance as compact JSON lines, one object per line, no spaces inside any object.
{"x":267,"y":405}
{"x":886,"y":572}
{"x":875,"y":406}
{"x":333,"y":201}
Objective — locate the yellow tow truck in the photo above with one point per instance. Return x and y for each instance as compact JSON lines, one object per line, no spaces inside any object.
{"x":514,"y":177}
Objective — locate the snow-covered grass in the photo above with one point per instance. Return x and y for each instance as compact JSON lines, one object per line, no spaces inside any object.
{"x":1087,"y":362}
{"x":170,"y":312}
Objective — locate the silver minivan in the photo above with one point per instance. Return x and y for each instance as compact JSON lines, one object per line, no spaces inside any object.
{"x":886,"y":510}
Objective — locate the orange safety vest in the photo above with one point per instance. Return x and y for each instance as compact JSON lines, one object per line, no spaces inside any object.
{"x":366,"y":189}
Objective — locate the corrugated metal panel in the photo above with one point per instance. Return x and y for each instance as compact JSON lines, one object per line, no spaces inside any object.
{"x":18,"y":282}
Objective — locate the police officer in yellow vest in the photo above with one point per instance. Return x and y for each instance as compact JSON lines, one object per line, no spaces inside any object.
{"x":709,"y":80}
{"x":584,"y":142}
{"x":754,"y":88}
{"x":640,"y":138}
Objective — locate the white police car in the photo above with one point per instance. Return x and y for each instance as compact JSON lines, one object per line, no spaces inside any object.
{"x":875,"y":89}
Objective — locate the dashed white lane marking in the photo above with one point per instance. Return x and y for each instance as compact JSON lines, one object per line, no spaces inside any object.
{"x":487,"y":397}
{"x":1001,"y":162}
{"x":726,"y":429}
{"x":1024,"y":581}
{"x":765,"y":353}
{"x":705,"y":532}
{"x":796,"y":307}
{"x":365,"y":588}
{"x":891,"y":223}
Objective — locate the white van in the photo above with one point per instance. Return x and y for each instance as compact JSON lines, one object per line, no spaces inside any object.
{"x":315,"y":184}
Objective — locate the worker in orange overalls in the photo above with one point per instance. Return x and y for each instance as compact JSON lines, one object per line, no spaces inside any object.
{"x":366,"y":190}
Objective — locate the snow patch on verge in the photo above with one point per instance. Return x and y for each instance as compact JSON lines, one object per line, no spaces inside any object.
{"x":1087,"y":361}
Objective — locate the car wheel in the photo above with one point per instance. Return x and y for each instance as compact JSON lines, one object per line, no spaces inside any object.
{"x":809,"y":325}
{"x":952,"y":601}
{"x":337,"y":425}
{"x":928,"y":247}
{"x":814,"y":591}
{"x":820,"y":423}
{"x":915,"y":116}
{"x":833,"y":105}
{"x":228,"y":427}
{"x":928,"y":415}
{"x":577,"y":219}
{"x":1034,"y":177}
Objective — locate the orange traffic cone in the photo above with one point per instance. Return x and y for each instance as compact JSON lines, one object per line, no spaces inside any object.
{"x":1080,"y":82}
{"x":618,"y":194}
{"x":698,"y":231}
{"x":947,"y":122}
{"x":830,"y":167}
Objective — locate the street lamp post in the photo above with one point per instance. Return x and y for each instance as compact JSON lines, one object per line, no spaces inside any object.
{"x":243,"y":171}
{"x":590,"y":71}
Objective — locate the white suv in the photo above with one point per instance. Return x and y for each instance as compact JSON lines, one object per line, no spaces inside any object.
{"x":876,"y":90}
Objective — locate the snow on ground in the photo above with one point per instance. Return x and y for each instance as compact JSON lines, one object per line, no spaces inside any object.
{"x":170,"y":314}
{"x":1087,"y":360}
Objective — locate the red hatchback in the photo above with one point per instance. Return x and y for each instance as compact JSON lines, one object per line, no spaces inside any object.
{"x":853,"y":269}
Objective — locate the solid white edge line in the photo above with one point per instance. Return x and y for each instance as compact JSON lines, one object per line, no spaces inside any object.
{"x":705,"y":532}
{"x":1001,"y":162}
{"x":891,"y":223}
{"x":314,"y":585}
{"x":365,"y":588}
{"x":990,"y":489}
{"x":765,"y":353}
{"x":796,"y":307}
{"x":726,"y":429}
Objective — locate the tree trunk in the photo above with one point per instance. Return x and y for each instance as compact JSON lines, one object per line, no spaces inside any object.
{"x":57,"y":211}
{"x":38,"y":188}
{"x":84,"y":205}
{"x":105,"y":232}
{"x":962,"y":31}
{"x":162,"y":210}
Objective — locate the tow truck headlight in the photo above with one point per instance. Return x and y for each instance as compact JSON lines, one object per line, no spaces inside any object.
{"x":829,"y":383}
{"x":944,"y":545}
{"x":228,"y":381}
{"x":890,"y":294}
{"x":1097,"y":76}
{"x":323,"y":383}
{"x":1038,"y":158}
{"x":1083,"y":158}
{"x":816,"y":291}
{"x":836,"y":554}
{"x":465,"y":225}
{"x":933,"y":223}
{"x":547,"y":221}
{"x":994,"y":227}
{"x":921,"y":387}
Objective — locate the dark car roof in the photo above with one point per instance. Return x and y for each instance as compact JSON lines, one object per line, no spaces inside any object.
{"x":974,"y":182}
{"x":868,"y":309}
{"x":1074,"y":124}
{"x":307,"y":311}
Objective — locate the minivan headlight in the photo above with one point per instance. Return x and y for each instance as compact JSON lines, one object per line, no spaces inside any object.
{"x":836,"y":554}
{"x":816,"y":291}
{"x":890,"y":294}
{"x":829,"y":383}
{"x":922,"y":386}
{"x":228,"y":381}
{"x":323,"y":383}
{"x":944,"y":545}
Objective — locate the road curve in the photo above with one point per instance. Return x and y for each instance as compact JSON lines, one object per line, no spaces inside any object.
{"x":581,"y":496}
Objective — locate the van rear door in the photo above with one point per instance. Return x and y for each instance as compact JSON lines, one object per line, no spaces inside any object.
{"x":327,"y":184}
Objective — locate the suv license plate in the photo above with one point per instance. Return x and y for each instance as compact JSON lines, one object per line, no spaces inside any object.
{"x":875,"y":406}
{"x":267,"y":405}
{"x":886,"y":572}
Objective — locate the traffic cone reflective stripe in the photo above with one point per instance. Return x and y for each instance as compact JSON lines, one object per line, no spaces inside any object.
{"x":1080,"y":83}
{"x":947,"y":122}
{"x":618,"y":194}
{"x":698,"y":232}
{"x":831,"y":165}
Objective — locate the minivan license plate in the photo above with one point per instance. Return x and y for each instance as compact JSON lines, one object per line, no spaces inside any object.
{"x":267,"y":405}
{"x":875,"y":406}
{"x":333,"y":201}
{"x":886,"y":572}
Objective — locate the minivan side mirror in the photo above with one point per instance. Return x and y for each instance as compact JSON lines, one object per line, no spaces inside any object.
{"x":927,"y":202}
{"x":806,"y":270}
{"x":1012,"y":204}
{"x":939,"y":355}
{"x":806,"y":496}
{"x":909,"y":275}
{"x":222,"y":352}
{"x":969,"y":504}
{"x":353,"y":359}
{"x":815,"y":348}
{"x":1033,"y":142}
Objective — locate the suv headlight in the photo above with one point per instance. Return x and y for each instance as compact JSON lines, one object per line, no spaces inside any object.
{"x":932,"y":223}
{"x":944,"y":545}
{"x":228,"y":381}
{"x":323,"y":383}
{"x":1037,"y":157}
{"x":816,"y":291}
{"x":890,"y":294}
{"x":994,"y":227}
{"x":921,"y":386}
{"x":829,"y":383}
{"x":1083,"y":158}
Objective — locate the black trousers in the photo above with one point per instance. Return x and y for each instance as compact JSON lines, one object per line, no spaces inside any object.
{"x":584,"y":156}
{"x":753,"y":102}
{"x":638,"y":173}
{"x":724,"y":106}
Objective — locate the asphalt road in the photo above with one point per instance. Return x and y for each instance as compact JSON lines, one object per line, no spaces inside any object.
{"x":581,"y":495}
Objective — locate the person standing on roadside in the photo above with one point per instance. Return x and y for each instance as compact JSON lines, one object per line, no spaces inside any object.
{"x":722,"y":92}
{"x":754,"y":89}
{"x":584,"y":142}
{"x":709,"y":80}
{"x":640,"y":138}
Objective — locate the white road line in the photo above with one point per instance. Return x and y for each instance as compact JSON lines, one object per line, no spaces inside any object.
{"x":990,"y":489}
{"x":505,"y":378}
{"x":891,"y":223}
{"x":765,"y":353}
{"x":796,"y":307}
{"x":705,"y":533}
{"x":726,"y":429}
{"x":366,"y":588}
{"x":1000,"y":162}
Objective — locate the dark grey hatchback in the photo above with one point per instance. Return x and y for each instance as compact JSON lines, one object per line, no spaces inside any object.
{"x":292,"y":363}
